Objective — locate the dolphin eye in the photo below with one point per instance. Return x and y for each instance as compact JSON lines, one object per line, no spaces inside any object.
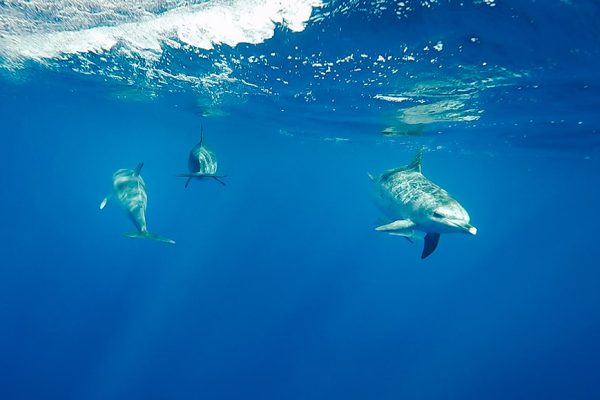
{"x":437,"y":214}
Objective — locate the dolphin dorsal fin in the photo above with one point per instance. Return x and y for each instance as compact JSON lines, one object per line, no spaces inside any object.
{"x":415,"y":165}
{"x":201,"y":135}
{"x":138,"y":169}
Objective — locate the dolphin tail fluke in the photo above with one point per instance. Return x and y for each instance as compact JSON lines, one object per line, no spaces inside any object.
{"x":431,"y":242}
{"x":150,"y":236}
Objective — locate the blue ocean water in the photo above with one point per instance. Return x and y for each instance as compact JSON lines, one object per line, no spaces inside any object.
{"x":279,"y":287}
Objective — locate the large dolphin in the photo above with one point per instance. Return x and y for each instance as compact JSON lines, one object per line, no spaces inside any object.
{"x":202,"y":163}
{"x":130,"y":190}
{"x":417,"y":207}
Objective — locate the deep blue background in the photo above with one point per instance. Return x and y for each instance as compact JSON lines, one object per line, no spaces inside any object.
{"x":278,"y":287}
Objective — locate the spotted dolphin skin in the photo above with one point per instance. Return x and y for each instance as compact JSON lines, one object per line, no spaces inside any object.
{"x":417,"y":207}
{"x":202,"y":163}
{"x":130,"y":190}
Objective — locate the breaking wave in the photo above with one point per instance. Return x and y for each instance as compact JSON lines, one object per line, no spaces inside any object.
{"x":38,"y":30}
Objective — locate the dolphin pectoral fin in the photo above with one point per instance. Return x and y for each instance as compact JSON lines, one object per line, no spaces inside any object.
{"x":105,"y":201}
{"x":431,"y":242}
{"x":189,"y":177}
{"x":396,"y":225}
{"x":405,"y":236}
{"x":217,"y":178}
{"x":408,"y":234}
{"x":200,"y":175}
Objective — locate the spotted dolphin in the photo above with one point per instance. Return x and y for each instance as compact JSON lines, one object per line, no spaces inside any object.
{"x":130,"y":190}
{"x":417,"y":207}
{"x":202,"y":163}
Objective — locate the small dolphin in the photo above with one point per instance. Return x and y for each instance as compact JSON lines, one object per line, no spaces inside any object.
{"x":202,"y":163}
{"x":129,"y":188}
{"x":418,"y":208}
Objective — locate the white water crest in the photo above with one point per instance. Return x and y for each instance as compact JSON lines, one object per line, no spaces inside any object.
{"x":41,"y":30}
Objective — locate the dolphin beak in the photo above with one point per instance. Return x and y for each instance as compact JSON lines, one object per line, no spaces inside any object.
{"x":471,"y":229}
{"x":468,"y":228}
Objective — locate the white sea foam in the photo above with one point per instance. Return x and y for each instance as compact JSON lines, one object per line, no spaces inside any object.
{"x":394,"y":99}
{"x":441,"y":111}
{"x":142,"y":28}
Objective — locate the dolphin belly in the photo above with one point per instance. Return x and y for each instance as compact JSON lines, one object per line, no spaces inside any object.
{"x":137,"y":215}
{"x":202,"y":161}
{"x":131,"y":192}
